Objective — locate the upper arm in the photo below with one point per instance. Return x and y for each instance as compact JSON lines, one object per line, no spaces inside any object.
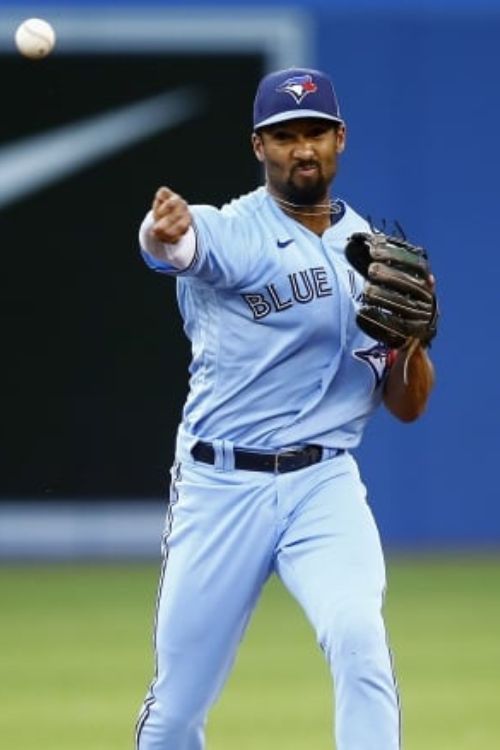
{"x":226,"y":247}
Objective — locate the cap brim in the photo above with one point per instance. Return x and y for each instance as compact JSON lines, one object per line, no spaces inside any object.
{"x":295,"y":114}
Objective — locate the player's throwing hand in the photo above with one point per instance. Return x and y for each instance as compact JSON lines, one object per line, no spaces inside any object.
{"x":171,"y":216}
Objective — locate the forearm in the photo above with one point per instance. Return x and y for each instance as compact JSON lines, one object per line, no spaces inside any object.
{"x":407,"y":399}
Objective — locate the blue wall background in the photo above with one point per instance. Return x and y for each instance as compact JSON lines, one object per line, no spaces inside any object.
{"x":420,"y":95}
{"x":418,"y":83}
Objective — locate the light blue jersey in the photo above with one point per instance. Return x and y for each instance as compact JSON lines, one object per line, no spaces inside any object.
{"x":269,"y":307}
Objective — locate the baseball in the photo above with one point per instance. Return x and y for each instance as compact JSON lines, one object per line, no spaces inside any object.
{"x":35,"y":38}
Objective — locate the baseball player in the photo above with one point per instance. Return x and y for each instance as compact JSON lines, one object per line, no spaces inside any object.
{"x":283,"y":379}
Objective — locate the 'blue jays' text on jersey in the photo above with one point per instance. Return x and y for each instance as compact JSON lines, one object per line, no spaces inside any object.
{"x":269,"y":307}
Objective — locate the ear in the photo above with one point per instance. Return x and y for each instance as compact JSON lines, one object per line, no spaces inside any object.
{"x":258,"y":146}
{"x":341,"y":138}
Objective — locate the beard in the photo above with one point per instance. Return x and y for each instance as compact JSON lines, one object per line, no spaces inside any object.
{"x":308,"y":193}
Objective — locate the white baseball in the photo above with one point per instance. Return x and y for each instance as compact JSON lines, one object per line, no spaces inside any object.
{"x":35,"y":38}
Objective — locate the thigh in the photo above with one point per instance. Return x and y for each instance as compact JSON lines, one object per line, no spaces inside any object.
{"x":329,"y":552}
{"x":217,"y":554}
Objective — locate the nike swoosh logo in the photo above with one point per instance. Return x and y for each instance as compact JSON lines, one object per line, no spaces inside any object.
{"x":283,"y":243}
{"x":33,"y":163}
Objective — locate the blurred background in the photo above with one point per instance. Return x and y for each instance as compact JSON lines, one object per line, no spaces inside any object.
{"x":94,"y":361}
{"x":94,"y":357}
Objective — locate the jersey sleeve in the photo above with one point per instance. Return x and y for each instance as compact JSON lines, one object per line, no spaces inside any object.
{"x":226,"y":247}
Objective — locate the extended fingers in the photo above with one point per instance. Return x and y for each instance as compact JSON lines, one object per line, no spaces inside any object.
{"x":164,"y":202}
{"x":171,"y":215}
{"x":170,"y":231}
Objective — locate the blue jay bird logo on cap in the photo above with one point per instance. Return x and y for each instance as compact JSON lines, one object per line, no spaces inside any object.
{"x":298,"y":87}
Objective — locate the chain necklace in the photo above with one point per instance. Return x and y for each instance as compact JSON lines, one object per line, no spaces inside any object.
{"x":297,"y":208}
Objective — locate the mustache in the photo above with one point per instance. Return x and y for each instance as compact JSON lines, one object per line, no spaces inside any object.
{"x":306,"y":165}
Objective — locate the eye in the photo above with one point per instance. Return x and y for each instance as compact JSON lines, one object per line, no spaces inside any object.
{"x":282,"y":135}
{"x":318,"y":131}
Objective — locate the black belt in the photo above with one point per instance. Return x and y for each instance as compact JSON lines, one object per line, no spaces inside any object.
{"x":277,"y":463}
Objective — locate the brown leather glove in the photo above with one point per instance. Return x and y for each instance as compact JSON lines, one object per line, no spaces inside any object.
{"x":399,"y":303}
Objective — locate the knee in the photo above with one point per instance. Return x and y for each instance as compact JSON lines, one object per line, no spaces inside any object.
{"x":355,"y":633}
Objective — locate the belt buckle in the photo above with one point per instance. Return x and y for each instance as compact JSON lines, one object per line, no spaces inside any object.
{"x":279,"y":455}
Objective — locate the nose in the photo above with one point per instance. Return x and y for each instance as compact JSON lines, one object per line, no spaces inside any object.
{"x":304,"y":148}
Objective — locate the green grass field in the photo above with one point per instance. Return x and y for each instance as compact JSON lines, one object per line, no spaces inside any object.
{"x":76,"y":660}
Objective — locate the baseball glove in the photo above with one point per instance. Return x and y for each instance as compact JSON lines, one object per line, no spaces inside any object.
{"x":398,"y":305}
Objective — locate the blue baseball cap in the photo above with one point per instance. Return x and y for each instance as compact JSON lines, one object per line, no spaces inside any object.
{"x":293,"y":93}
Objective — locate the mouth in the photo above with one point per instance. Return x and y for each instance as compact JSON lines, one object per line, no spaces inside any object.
{"x":306,"y":170}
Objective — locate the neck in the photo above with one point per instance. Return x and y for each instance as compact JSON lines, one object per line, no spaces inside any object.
{"x":317,"y":217}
